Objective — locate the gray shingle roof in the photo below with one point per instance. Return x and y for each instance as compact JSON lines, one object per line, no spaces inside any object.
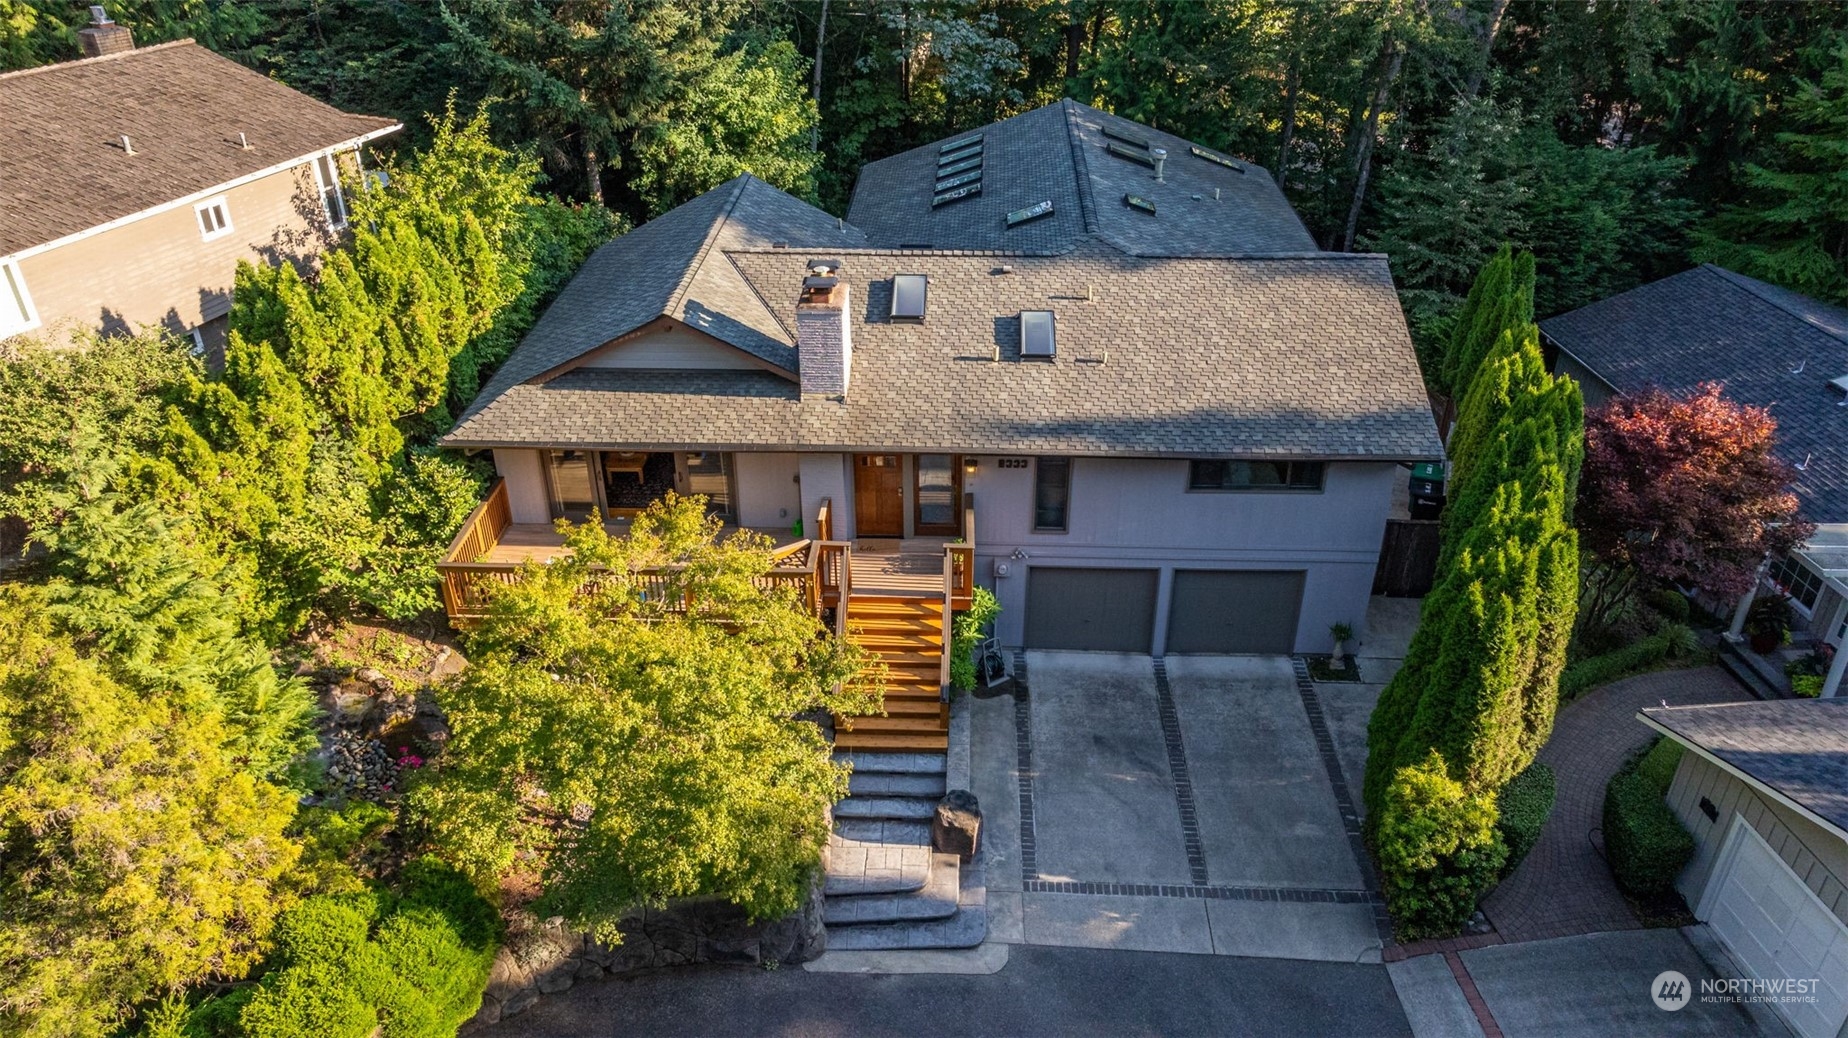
{"x":62,"y":167}
{"x":1210,"y":329}
{"x":1170,"y":356}
{"x":674,"y":266}
{"x":1058,"y":153}
{"x":1712,"y":325}
{"x":1798,"y":747}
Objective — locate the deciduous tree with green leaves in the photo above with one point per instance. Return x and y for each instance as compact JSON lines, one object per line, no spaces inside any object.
{"x":627,"y":727}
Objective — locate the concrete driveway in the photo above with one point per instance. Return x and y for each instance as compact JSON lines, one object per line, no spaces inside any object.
{"x":1185,"y":807}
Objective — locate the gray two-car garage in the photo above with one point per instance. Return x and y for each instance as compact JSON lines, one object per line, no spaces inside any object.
{"x":1209,"y":611}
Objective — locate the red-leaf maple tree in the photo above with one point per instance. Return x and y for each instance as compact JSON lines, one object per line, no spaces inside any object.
{"x":1682,"y":490}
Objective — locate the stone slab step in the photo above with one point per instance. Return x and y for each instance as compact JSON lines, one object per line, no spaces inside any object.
{"x":857,"y":867}
{"x":965,"y":929}
{"x":891,"y":831}
{"x":896,"y":763}
{"x":901,"y":808}
{"x":935,"y":900}
{"x":901,"y":784}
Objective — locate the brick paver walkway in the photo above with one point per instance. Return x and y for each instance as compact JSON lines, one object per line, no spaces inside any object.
{"x":1564,"y":887}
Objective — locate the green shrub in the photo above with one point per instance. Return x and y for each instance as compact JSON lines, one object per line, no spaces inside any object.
{"x":1644,"y":843}
{"x":1522,"y":808}
{"x":1671,"y":642}
{"x":967,"y":632}
{"x":1809,"y":686}
{"x":1807,"y":674}
{"x":413,"y":964}
{"x":1438,"y":850}
{"x":1657,"y":767}
{"x":1672,"y":604}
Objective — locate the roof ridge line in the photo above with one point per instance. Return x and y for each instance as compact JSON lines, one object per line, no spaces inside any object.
{"x":775,"y":315}
{"x":1087,"y":206}
{"x":21,"y":73}
{"x":1750,"y":284}
{"x":685,"y":283}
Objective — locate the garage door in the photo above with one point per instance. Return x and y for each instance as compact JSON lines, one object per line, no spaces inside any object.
{"x":1775,"y":927}
{"x":1107,"y":610}
{"x":1234,"y":611}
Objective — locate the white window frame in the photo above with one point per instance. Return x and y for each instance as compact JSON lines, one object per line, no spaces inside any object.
{"x":198,"y":340}
{"x":321,"y":187}
{"x":17,"y":314}
{"x":220,"y":203}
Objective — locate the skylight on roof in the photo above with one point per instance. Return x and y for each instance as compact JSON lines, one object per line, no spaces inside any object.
{"x":908,"y":296}
{"x":959,"y":170}
{"x":1139,"y":202}
{"x":1032,"y":212}
{"x":1124,"y":151}
{"x":1133,"y":140}
{"x":1036,"y":334}
{"x":1217,"y":160}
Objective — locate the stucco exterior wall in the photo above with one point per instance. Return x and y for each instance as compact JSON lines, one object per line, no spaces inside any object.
{"x":1819,"y":857}
{"x":525,"y":476}
{"x":158,"y":270}
{"x":768,"y":492}
{"x":1139,"y":512}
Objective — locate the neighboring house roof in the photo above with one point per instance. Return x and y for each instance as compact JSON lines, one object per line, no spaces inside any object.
{"x":1798,"y":748}
{"x":674,"y":266}
{"x":1771,"y":347}
{"x":63,"y":169}
{"x":1060,"y":154}
{"x":1305,"y":357}
{"x":1287,"y":353}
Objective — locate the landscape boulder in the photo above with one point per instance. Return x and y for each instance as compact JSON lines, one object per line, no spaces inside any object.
{"x":957,"y":826}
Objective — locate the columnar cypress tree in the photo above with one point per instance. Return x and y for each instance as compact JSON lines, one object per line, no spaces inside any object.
{"x":1501,"y":298}
{"x":1483,"y":669}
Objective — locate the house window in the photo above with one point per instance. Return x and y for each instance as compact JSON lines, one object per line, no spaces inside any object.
{"x":327,"y":181}
{"x":198,"y":341}
{"x":568,"y":478}
{"x":1052,"y":494}
{"x":1800,"y":582}
{"x":16,"y":312}
{"x":214,"y":218}
{"x":709,"y":473}
{"x":1254,"y":475}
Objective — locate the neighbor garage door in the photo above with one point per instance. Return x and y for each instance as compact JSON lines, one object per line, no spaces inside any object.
{"x":1775,"y":927}
{"x":1234,"y":611}
{"x":1108,"y":610}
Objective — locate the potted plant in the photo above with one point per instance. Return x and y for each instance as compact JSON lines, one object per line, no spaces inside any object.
{"x":1767,"y":623}
{"x":1342,"y":633}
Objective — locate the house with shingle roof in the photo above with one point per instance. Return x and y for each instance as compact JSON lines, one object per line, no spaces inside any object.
{"x":1769,"y":347}
{"x":132,"y":181}
{"x":1086,"y":364}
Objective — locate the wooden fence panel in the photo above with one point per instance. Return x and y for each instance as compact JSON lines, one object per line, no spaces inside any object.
{"x":1408,"y":558}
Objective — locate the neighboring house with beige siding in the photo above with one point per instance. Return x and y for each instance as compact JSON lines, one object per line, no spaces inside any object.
{"x":1763,"y":789}
{"x":132,"y":182}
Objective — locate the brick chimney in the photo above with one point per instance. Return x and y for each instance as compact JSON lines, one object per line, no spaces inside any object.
{"x":103,"y":36}
{"x":824,"y":335}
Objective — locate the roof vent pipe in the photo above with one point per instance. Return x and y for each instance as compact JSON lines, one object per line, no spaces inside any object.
{"x":128,"y":146}
{"x":1160,"y":155}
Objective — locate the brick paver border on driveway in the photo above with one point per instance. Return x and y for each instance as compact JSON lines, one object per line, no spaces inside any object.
{"x":1564,"y":888}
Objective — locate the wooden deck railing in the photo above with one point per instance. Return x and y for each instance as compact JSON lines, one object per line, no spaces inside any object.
{"x":834,"y":572}
{"x":824,"y":520}
{"x":467,"y":583}
{"x":959,"y":559}
{"x":481,"y":531}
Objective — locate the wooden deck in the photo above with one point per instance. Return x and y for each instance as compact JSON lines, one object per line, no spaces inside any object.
{"x":523,"y":542}
{"x":913,"y":567}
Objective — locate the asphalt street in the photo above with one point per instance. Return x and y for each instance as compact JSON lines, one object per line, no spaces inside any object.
{"x":1041,"y":991}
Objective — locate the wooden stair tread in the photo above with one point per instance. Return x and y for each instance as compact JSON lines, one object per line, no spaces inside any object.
{"x":876,"y":723}
{"x":889,"y":742}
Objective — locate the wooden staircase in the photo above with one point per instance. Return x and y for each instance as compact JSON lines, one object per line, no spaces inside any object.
{"x":906,"y":633}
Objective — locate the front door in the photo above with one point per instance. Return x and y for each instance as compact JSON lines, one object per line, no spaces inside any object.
{"x":878,"y":495}
{"x":938,"y":493}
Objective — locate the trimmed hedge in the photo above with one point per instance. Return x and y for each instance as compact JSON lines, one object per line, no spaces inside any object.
{"x":1438,"y":850}
{"x":1644,"y":843}
{"x":1672,"y":604}
{"x":1658,"y":766}
{"x":1522,"y":808}
{"x":412,"y":965}
{"x":1671,"y":641}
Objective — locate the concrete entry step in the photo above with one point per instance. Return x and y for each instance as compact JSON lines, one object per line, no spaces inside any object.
{"x":895,"y":763}
{"x":901,"y":784}
{"x":882,"y":830}
{"x":965,"y":929}
{"x":873,"y":866}
{"x":904,"y":808}
{"x":935,"y":900}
